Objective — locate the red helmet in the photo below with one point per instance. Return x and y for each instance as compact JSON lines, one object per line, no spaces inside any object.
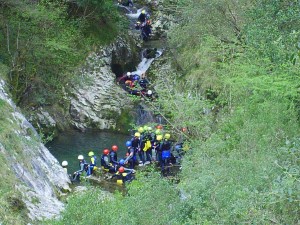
{"x":106,"y":151}
{"x":159,"y":127}
{"x":121,"y":169}
{"x":114,"y":148}
{"x":184,"y":129}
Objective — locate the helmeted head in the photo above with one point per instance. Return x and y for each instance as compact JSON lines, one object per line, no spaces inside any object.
{"x":157,"y":131}
{"x":64,"y":163}
{"x":167,"y":136}
{"x":136,"y":77}
{"x":159,"y":127}
{"x":143,"y":11}
{"x":122,"y":162}
{"x":184,"y":129}
{"x":128,"y":143}
{"x":106,"y":151}
{"x":149,"y":92}
{"x":114,"y":148}
{"x":137,"y":134}
{"x":140,"y":129}
{"x":128,"y":74}
{"x":149,"y":129}
{"x":91,"y":153}
{"x":159,"y":137}
{"x":121,"y":169}
{"x":80,"y":157}
{"x":145,"y":128}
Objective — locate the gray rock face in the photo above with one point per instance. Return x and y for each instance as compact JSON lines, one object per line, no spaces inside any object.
{"x":99,"y":100}
{"x":40,"y":175}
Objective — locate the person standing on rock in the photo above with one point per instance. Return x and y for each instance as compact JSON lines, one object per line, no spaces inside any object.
{"x":146,"y":31}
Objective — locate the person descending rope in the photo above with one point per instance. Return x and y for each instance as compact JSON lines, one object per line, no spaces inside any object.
{"x":82,"y":167}
{"x":92,"y":165}
{"x":106,"y":166}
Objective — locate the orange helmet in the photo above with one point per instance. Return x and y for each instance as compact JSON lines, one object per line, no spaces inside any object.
{"x":106,"y":151}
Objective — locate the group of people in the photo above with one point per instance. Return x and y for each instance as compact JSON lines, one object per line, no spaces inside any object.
{"x":145,"y":147}
{"x":136,"y":85}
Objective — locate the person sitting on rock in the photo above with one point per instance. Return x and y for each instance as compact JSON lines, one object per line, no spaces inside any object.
{"x":83,"y":165}
{"x":113,"y":155}
{"x":92,"y":165}
{"x":105,"y":164}
{"x":123,"y":176}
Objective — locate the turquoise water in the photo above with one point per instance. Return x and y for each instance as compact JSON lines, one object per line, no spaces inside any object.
{"x":72,"y":143}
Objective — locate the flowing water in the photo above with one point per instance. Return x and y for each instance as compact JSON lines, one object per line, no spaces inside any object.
{"x":72,"y":143}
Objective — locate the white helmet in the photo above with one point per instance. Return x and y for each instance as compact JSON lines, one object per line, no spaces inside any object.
{"x":128,"y":74}
{"x":64,"y":163}
{"x":149,"y":92}
{"x":80,"y":157}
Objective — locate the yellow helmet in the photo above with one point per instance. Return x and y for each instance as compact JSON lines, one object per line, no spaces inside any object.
{"x":157,"y":131}
{"x":141,"y":130}
{"x":159,"y":137}
{"x":167,"y":136}
{"x":137,"y":134}
{"x":91,"y":153}
{"x":145,"y":128}
{"x":143,"y":11}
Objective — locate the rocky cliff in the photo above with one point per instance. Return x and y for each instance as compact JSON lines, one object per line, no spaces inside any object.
{"x":37,"y":176}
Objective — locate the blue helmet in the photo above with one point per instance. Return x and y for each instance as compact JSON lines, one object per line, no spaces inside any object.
{"x":128,"y":143}
{"x":122,"y":161}
{"x":136,"y":77}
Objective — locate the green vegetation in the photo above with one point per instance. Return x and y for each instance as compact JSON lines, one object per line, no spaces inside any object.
{"x":237,"y":91}
{"x":12,"y":209}
{"x":42,"y":42}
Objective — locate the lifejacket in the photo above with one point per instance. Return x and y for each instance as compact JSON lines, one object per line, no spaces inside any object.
{"x":113,"y":157}
{"x":104,"y":163}
{"x":135,"y":143}
{"x":146,"y":142}
{"x":83,"y":165}
{"x":93,"y":161}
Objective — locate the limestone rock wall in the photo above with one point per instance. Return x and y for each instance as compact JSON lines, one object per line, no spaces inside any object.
{"x":40,"y":176}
